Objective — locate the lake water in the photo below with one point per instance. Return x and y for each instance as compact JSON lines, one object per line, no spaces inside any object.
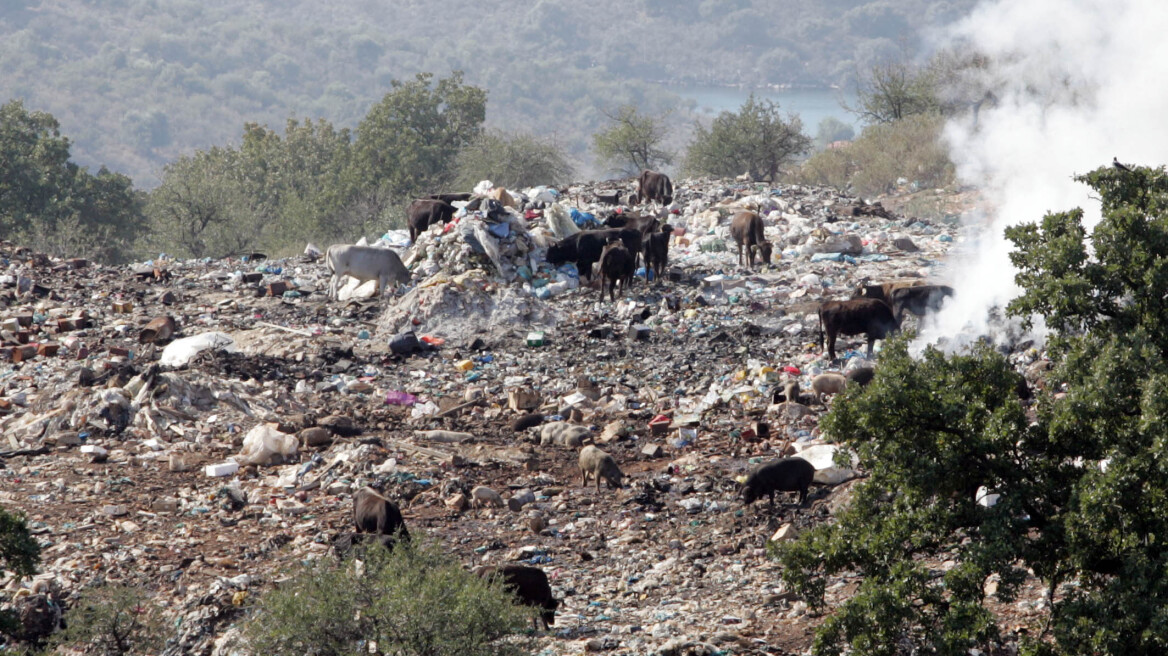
{"x":812,"y":105}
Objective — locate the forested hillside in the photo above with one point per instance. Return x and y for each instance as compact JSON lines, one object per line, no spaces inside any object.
{"x":138,"y":82}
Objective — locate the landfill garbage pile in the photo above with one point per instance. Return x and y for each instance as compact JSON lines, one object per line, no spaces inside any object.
{"x":197,"y":428}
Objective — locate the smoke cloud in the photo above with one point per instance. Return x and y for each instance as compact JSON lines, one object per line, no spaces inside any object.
{"x":1077,"y":82}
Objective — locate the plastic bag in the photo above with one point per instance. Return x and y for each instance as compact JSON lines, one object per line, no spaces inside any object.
{"x":263,"y":444}
{"x":182,"y":351}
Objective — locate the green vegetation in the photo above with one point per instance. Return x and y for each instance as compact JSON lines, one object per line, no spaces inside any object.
{"x":413,"y":601}
{"x":114,"y":620}
{"x":515,"y":161}
{"x":910,"y":148}
{"x":756,"y":140}
{"x":1084,"y":498}
{"x":50,"y":203}
{"x":19,"y":553}
{"x":632,"y":142}
{"x":317,"y":183}
{"x":138,"y":83}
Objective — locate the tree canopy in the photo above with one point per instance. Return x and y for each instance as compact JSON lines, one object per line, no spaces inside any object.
{"x":51,"y":203}
{"x":632,"y":142}
{"x":1084,"y":497}
{"x":755,"y":140}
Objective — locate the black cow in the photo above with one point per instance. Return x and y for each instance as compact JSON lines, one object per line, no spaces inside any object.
{"x":919,"y":300}
{"x":747,"y":230}
{"x":657,"y":252}
{"x":531,"y":585}
{"x":373,"y":513}
{"x":655,"y":186}
{"x":584,"y":248}
{"x":617,"y":265}
{"x":860,"y":315}
{"x":425,"y":212}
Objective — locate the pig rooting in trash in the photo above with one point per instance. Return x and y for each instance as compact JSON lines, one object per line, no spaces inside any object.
{"x":783,"y":475}
{"x":598,"y":464}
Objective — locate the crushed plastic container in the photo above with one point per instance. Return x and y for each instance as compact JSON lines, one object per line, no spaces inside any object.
{"x":263,"y":443}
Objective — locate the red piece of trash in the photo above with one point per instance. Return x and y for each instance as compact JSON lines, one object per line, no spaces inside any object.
{"x":794,"y":371}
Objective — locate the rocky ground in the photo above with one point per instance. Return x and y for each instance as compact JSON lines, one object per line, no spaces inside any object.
{"x":221,"y":471}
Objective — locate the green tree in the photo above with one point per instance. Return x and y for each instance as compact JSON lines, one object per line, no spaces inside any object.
{"x":412,"y":601}
{"x":1084,"y":497}
{"x":512,"y":160}
{"x":756,"y":140}
{"x":893,"y":90}
{"x":19,"y":553}
{"x":50,"y":203}
{"x":632,"y":142}
{"x":408,"y":142}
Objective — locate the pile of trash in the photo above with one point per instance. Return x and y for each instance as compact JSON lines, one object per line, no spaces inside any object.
{"x":197,"y":428}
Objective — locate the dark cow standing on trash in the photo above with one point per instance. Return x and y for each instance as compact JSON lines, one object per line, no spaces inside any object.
{"x":747,"y":230}
{"x":657,"y":252}
{"x":617,"y":265}
{"x":425,"y":212}
{"x":530,"y":585}
{"x":644,"y":223}
{"x":861,"y":315}
{"x":584,"y":248}
{"x":655,"y":187}
{"x":374,"y":514}
{"x":919,"y":300}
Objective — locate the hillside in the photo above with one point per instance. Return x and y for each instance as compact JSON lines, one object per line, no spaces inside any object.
{"x":137,"y":82}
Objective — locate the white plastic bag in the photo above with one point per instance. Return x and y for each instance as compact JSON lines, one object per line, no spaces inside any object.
{"x":263,"y":443}
{"x":182,"y":351}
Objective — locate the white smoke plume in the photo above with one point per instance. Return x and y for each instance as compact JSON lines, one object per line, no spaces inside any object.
{"x":1077,"y":82}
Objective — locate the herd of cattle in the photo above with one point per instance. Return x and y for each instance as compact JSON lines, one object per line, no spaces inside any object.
{"x":616,"y":251}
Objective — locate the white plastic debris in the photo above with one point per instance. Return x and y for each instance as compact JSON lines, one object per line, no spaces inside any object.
{"x":182,"y":351}
{"x":222,"y":469}
{"x":263,"y":443}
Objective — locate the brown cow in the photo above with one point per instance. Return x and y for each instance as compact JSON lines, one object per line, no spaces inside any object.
{"x":425,"y":212}
{"x":654,"y":186}
{"x":869,"y":316}
{"x":617,"y":265}
{"x":746,"y":228}
{"x":373,"y":513}
{"x":531,"y":585}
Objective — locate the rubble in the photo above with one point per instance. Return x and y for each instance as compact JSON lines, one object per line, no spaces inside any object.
{"x":195,"y":422}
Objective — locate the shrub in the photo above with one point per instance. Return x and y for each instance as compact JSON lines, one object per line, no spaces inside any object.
{"x":114,"y":620}
{"x":910,"y":148}
{"x":413,"y":600}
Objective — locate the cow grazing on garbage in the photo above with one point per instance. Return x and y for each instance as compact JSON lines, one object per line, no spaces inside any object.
{"x":373,"y":513}
{"x":585,"y":247}
{"x":783,"y":475}
{"x":530,"y":585}
{"x":364,"y":263}
{"x":655,"y":187}
{"x":747,"y":230}
{"x":617,"y":265}
{"x":869,"y":316}
{"x":919,"y":300}
{"x":657,"y":251}
{"x":425,"y":212}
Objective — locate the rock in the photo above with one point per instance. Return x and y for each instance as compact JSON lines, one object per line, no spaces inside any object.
{"x":652,"y":451}
{"x":457,"y":502}
{"x":315,"y":436}
{"x":905,"y":244}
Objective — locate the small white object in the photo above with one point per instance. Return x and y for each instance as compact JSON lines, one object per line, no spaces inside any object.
{"x":94,"y":449}
{"x":222,"y":469}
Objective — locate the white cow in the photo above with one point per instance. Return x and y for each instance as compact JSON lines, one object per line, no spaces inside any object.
{"x":364,"y":263}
